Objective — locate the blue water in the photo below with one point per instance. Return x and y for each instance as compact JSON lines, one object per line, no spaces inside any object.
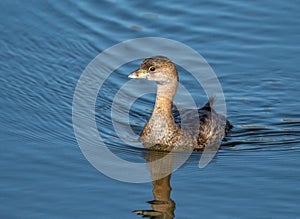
{"x":253,"y":47}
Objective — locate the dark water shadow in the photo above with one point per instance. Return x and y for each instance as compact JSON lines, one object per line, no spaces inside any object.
{"x":162,"y":206}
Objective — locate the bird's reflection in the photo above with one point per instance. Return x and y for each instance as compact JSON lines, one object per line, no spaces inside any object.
{"x":162,"y":205}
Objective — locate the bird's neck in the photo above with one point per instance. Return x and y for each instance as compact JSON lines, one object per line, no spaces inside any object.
{"x":164,"y":98}
{"x":161,"y":127}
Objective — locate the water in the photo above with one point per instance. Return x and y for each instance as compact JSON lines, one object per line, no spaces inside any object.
{"x":252,"y":46}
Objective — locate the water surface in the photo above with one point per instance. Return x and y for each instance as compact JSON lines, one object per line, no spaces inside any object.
{"x":253,"y":48}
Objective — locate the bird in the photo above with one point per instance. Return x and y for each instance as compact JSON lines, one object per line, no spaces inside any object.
{"x":162,"y":132}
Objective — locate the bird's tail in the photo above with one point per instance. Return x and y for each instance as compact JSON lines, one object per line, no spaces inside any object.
{"x":210,"y":102}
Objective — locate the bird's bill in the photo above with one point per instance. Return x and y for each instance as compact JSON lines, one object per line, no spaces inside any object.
{"x":140,"y":73}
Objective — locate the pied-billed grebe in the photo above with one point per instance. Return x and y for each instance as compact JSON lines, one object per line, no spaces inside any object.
{"x":161,"y":131}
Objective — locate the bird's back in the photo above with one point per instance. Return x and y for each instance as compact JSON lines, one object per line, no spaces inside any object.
{"x":205,"y":124}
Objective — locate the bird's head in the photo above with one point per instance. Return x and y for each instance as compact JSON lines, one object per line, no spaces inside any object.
{"x":157,"y":68}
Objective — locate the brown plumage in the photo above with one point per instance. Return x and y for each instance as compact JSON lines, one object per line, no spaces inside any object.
{"x":201,"y":127}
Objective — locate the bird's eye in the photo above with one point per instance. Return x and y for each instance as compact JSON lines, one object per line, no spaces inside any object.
{"x":152,"y":68}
